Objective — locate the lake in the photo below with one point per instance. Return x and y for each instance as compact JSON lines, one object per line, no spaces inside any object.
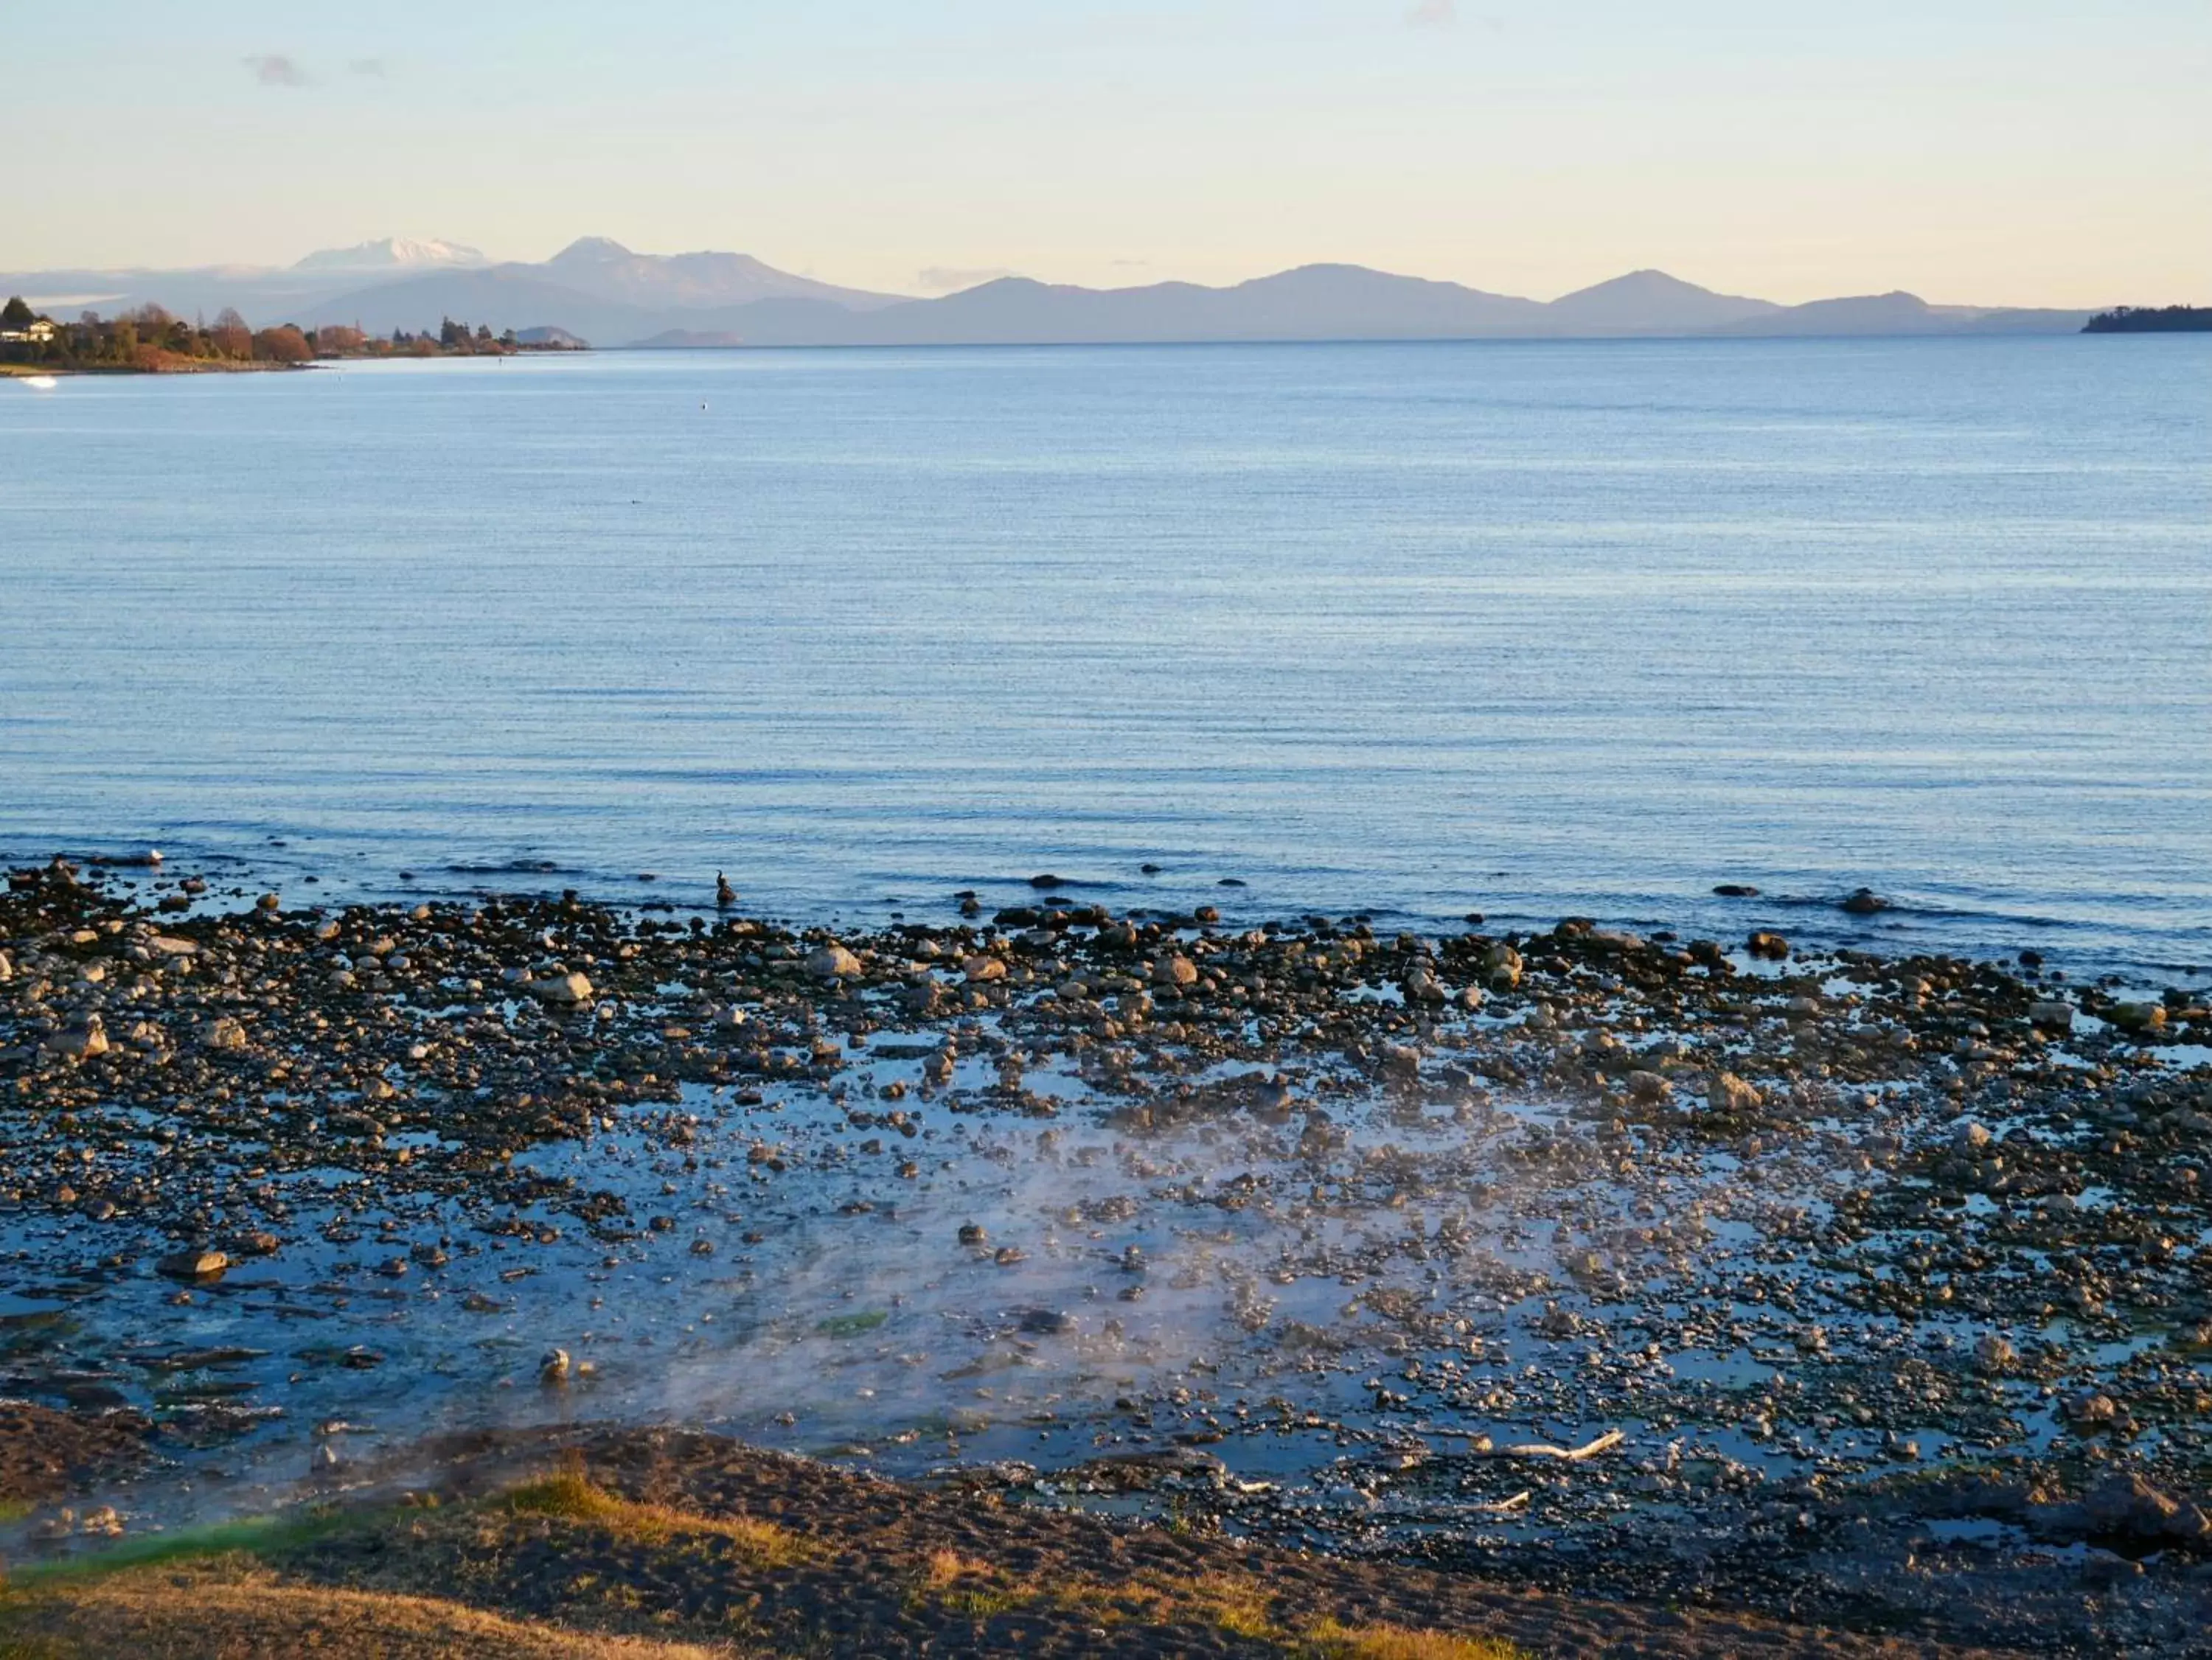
{"x":1418,"y":630}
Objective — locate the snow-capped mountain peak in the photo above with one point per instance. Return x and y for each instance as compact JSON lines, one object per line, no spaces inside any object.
{"x":392,"y":253}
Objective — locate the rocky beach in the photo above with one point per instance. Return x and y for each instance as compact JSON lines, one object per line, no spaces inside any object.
{"x":1732,"y":1276}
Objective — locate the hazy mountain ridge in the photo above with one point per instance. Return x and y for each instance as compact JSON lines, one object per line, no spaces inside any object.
{"x":605,"y":293}
{"x":1650,"y":300}
{"x":605,"y":269}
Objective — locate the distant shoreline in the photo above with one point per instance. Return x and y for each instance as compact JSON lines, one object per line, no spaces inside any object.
{"x":2151,"y":319}
{"x":56,"y":371}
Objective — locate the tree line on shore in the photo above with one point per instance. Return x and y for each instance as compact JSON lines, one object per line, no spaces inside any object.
{"x":2151,"y":319}
{"x":153,"y":339}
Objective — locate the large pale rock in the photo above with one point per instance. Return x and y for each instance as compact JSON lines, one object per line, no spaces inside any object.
{"x":1502,"y":967}
{"x":79,"y":1043}
{"x":833,"y":962}
{"x":193,"y":1264}
{"x":564,"y":990}
{"x":1727,"y":1092}
{"x":222,"y":1032}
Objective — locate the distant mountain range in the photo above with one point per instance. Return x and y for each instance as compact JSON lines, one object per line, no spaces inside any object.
{"x":602,"y":291}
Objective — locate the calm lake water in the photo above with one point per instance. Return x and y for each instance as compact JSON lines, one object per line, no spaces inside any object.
{"x":1526,"y":629}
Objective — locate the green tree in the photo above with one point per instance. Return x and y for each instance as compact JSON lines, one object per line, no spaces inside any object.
{"x":15,"y":314}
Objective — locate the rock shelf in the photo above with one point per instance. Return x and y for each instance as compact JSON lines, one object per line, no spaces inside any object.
{"x":1861,"y":1288}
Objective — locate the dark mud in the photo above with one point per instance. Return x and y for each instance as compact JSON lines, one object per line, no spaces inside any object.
{"x":1892,"y":1273}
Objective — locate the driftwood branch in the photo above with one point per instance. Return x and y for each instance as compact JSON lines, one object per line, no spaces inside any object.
{"x":1605,"y":1443}
{"x":1504,"y":1506}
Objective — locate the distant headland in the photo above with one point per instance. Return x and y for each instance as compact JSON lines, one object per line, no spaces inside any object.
{"x":2151,"y":319}
{"x":150,"y":340}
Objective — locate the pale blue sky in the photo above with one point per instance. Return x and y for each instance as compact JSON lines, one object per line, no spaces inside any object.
{"x":1996,"y":151}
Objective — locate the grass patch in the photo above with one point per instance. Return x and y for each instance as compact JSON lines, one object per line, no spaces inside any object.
{"x":962,"y":1585}
{"x":246,"y":1535}
{"x":571,"y":1496}
{"x":1331,"y":1641}
{"x":228,"y":1608}
{"x":1239,"y":1606}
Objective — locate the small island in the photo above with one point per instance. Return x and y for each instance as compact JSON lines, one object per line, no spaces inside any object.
{"x":153,"y":341}
{"x":2151,"y":319}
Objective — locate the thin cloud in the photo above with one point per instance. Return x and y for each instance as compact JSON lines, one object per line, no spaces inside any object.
{"x":947,"y":279}
{"x":274,"y":69}
{"x":376,"y":68}
{"x":1433,"y":14}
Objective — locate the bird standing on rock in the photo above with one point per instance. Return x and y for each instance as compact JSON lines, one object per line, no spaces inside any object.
{"x":723,"y":894}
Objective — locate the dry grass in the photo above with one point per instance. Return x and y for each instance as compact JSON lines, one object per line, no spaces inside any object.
{"x":431,"y":1580}
{"x":570,"y":1496}
{"x":1330,"y":1641}
{"x":964,"y":1586}
{"x":1237,"y":1605}
{"x":230,"y":1609}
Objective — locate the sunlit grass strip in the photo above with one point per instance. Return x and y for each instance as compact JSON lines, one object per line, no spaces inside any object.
{"x":569,"y":1495}
{"x":1331,"y":1641}
{"x":230,"y":1606}
{"x":1234,"y":1603}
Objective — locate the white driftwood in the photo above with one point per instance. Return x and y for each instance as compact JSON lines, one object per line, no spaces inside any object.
{"x":1605,"y":1443}
{"x":1503,"y":1506}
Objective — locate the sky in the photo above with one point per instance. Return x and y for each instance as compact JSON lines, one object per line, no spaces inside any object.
{"x":2015,"y":152}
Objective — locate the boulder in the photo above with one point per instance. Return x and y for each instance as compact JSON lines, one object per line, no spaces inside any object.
{"x":2129,"y":1507}
{"x":1726,"y":1093}
{"x":566,"y":991}
{"x":197,"y":1264}
{"x":833,"y":962}
{"x":1502,"y":967}
{"x":80,"y":1042}
{"x":222,"y":1032}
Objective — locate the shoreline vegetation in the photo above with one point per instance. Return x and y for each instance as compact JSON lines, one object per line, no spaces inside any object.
{"x":1954,"y":1211}
{"x":669,"y":1545}
{"x":2151,"y":319}
{"x":150,"y":340}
